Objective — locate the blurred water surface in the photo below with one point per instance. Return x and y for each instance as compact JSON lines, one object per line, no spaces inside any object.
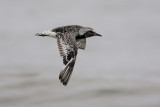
{"x":121,"y":69}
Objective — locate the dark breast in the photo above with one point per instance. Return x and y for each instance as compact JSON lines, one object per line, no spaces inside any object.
{"x":80,"y":37}
{"x":85,"y":35}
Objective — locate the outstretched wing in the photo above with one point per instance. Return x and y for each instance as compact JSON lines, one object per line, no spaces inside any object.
{"x":68,"y":50}
{"x":81,"y":43}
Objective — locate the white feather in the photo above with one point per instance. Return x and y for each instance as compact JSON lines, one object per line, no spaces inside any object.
{"x":49,"y":33}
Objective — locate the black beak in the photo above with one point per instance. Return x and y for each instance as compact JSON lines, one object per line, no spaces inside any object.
{"x":97,"y":34}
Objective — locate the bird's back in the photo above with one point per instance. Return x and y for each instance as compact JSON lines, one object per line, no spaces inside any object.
{"x":67,"y":29}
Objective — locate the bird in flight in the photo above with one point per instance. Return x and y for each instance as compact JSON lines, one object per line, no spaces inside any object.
{"x":69,"y":39}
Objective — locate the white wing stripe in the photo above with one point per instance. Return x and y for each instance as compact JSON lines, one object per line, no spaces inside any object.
{"x":62,"y":47}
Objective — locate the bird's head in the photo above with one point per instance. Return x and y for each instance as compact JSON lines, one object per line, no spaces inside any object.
{"x":88,"y":32}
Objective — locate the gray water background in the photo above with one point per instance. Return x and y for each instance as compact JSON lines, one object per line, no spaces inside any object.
{"x":120,"y":69}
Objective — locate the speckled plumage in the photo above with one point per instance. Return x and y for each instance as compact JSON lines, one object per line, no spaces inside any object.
{"x":69,"y":39}
{"x":67,"y":29}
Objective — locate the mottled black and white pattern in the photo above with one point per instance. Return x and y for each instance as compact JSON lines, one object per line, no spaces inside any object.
{"x":69,"y":39}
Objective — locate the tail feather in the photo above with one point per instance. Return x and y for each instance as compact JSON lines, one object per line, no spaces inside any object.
{"x":47,"y":33}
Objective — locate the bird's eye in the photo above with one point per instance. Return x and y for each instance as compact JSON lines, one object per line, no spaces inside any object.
{"x":90,"y":32}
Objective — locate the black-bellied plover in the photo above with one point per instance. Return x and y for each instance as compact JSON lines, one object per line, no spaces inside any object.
{"x":70,"y":39}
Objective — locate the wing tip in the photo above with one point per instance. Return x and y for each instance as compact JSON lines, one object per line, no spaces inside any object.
{"x":66,"y":73}
{"x":64,"y":78}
